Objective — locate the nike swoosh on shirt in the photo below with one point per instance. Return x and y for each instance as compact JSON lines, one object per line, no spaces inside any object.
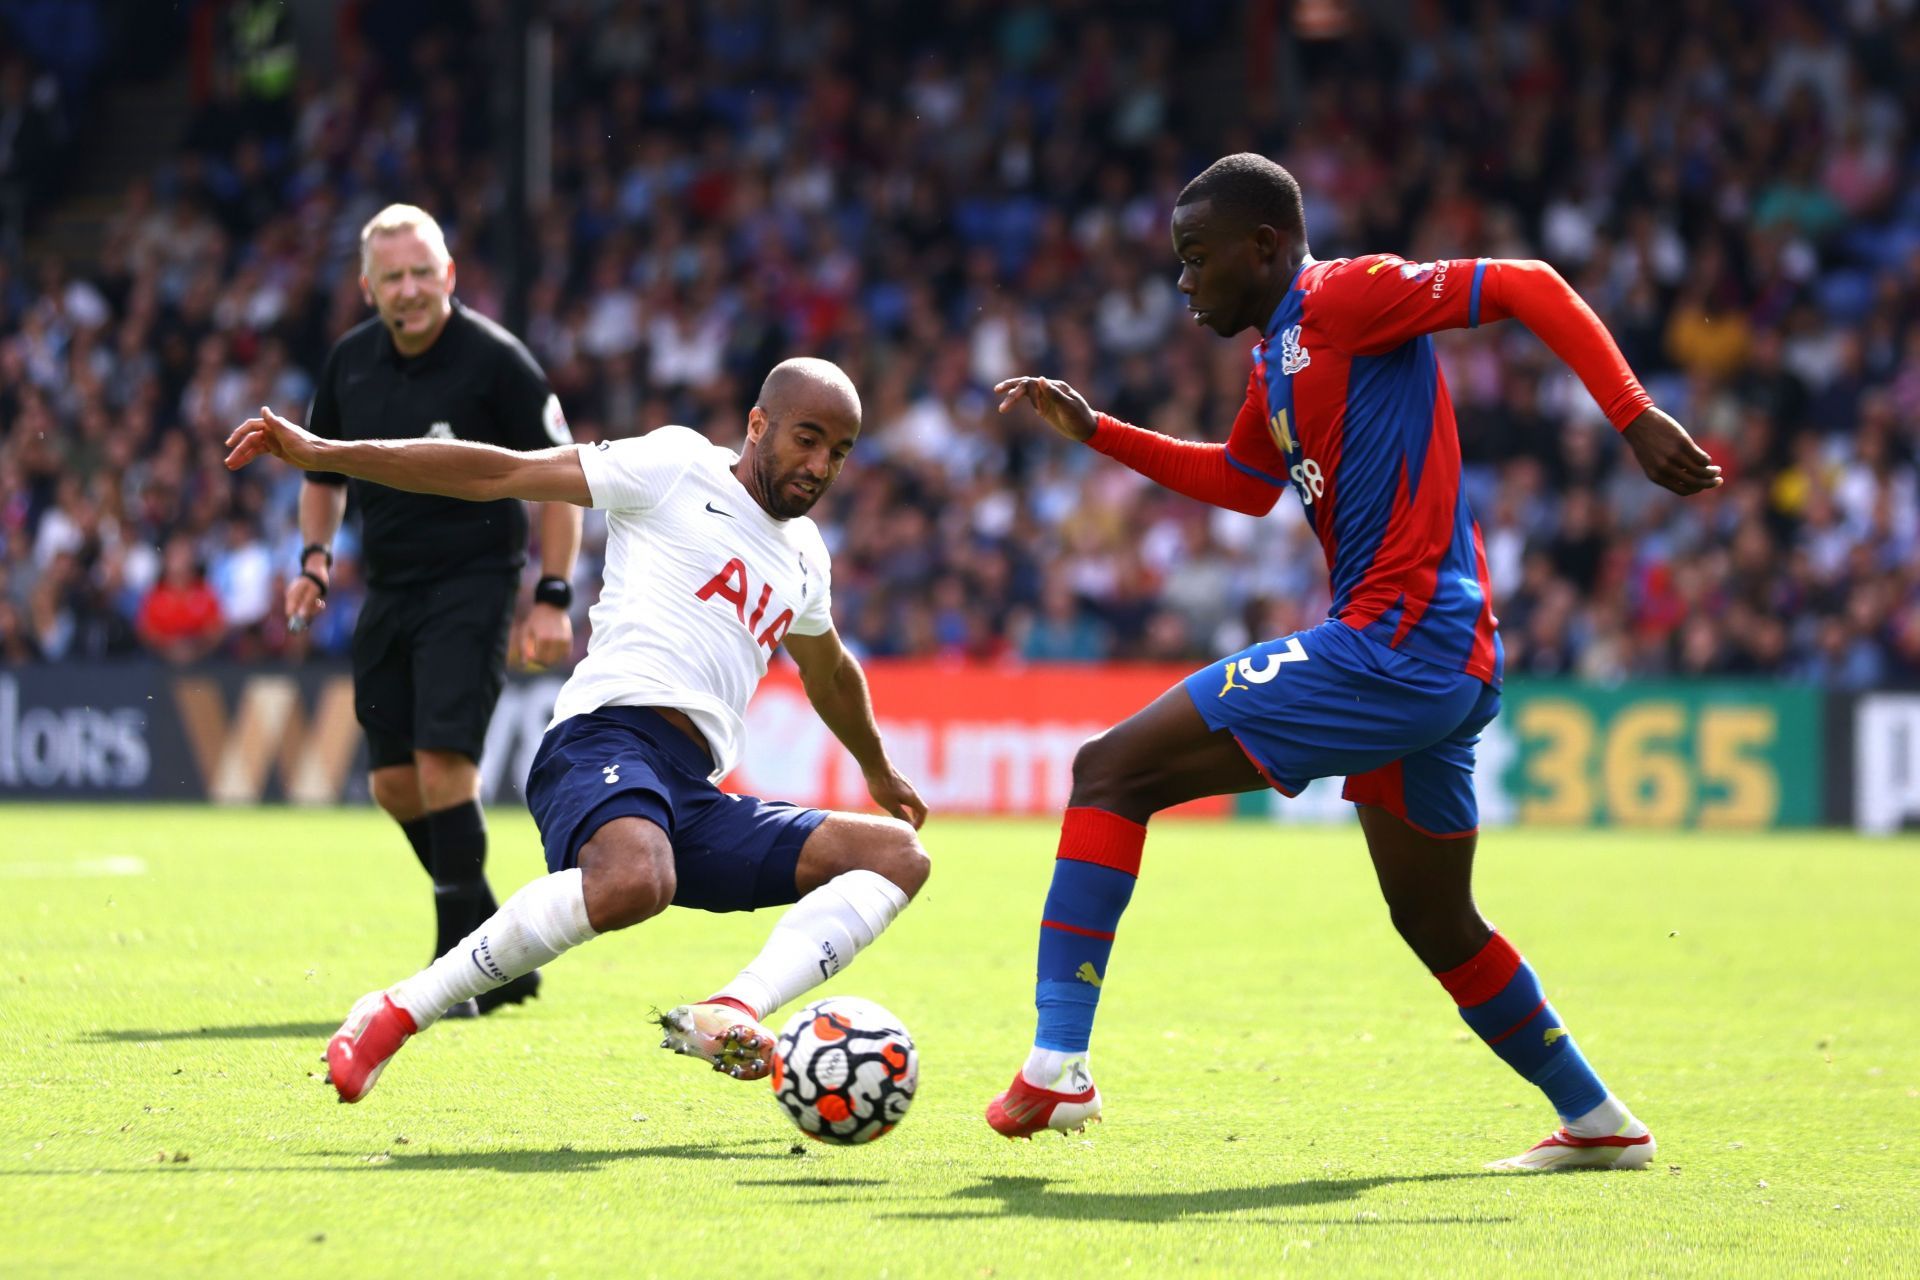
{"x":717,"y":511}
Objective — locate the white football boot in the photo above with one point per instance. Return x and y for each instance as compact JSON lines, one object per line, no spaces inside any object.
{"x":1560,"y":1151}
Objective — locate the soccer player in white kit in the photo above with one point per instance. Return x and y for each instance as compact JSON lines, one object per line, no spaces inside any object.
{"x":712,"y":564}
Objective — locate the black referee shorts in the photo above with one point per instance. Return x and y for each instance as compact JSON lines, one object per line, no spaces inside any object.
{"x":428,"y":665}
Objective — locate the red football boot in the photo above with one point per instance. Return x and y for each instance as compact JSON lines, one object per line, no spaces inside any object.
{"x":358,"y":1052}
{"x":1025,"y":1109}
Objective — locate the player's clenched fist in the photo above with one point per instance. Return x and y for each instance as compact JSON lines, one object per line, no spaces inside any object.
{"x":271,"y":434}
{"x":1065,"y":409}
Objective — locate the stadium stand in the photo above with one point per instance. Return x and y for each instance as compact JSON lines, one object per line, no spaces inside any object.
{"x":722,"y":196}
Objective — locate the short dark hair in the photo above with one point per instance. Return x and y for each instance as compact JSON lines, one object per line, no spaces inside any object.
{"x":1252,"y":190}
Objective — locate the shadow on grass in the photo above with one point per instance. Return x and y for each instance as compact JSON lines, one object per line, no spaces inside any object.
{"x":528,"y":1160}
{"x":560,"y":1159}
{"x":243,"y":1031}
{"x":1034,"y":1198}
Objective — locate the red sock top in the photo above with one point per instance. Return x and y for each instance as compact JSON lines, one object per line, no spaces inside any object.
{"x":1103,"y":838}
{"x":1483,"y":977}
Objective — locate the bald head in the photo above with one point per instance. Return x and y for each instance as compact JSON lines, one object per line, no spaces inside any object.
{"x":799,"y":434}
{"x":809,"y":385}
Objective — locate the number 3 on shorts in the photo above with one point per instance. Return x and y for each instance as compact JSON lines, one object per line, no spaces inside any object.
{"x":1269,"y":667}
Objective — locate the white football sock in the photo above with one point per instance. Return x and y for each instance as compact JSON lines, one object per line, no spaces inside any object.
{"x":1611,"y":1118}
{"x":817,"y":938}
{"x":1059,"y":1070}
{"x":537,"y":924}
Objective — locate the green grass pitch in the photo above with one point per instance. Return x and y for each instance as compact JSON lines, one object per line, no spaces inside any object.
{"x":1287,"y":1092}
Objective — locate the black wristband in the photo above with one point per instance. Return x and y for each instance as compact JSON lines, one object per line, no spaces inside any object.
{"x":306,"y":553}
{"x":316,"y":580}
{"x":557,"y":592}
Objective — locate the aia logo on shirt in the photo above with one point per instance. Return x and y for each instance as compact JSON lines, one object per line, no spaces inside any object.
{"x":1293,"y":356}
{"x":731,"y":585}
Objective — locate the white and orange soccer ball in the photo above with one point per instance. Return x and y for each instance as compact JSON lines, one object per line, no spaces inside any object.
{"x":845,"y":1070}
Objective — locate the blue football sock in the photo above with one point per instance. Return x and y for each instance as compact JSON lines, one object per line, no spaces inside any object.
{"x":1093,"y":878}
{"x":1500,"y":998}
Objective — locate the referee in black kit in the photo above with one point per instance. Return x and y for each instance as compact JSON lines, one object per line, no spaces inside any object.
{"x":430,"y":648}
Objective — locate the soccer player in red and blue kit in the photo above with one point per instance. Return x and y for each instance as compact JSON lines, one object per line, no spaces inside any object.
{"x":1346,"y":405}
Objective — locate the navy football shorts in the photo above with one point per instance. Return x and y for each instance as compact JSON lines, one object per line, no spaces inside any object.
{"x":1329,"y":701}
{"x":730,"y":853}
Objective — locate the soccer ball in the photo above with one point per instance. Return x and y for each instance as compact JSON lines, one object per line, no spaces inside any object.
{"x":845,"y":1070}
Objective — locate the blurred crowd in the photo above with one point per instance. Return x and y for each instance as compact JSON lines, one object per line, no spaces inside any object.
{"x":938,"y":199}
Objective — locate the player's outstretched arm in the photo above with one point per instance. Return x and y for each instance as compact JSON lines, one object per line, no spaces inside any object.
{"x":1202,"y":471}
{"x":837,"y":688}
{"x":1377,"y":302}
{"x":1540,"y":298}
{"x":453,"y":468}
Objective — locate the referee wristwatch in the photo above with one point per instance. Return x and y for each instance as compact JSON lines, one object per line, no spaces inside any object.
{"x":555,"y":591}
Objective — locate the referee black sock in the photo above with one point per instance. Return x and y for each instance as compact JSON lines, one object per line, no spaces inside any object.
{"x":420,"y":835}
{"x":461,"y":898}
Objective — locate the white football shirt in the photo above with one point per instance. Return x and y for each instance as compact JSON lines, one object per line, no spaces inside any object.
{"x":700,"y":586}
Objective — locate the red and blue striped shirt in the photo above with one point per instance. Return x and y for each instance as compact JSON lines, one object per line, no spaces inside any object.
{"x":1347,"y":406}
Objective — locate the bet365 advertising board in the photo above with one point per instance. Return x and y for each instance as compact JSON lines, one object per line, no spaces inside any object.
{"x":1703,"y":754}
{"x":1709,"y":754}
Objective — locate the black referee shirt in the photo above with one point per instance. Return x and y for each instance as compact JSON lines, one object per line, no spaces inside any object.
{"x":476,"y":382}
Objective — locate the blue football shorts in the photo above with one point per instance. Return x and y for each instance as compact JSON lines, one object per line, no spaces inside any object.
{"x":730,"y":852}
{"x":1329,"y":701}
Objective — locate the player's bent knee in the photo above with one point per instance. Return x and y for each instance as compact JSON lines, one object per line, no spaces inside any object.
{"x":1110,"y":772}
{"x":626,"y":872}
{"x":903,"y":859}
{"x":1094,"y":765}
{"x":1443,"y":937}
{"x":863,"y":842}
{"x":620,"y":896}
